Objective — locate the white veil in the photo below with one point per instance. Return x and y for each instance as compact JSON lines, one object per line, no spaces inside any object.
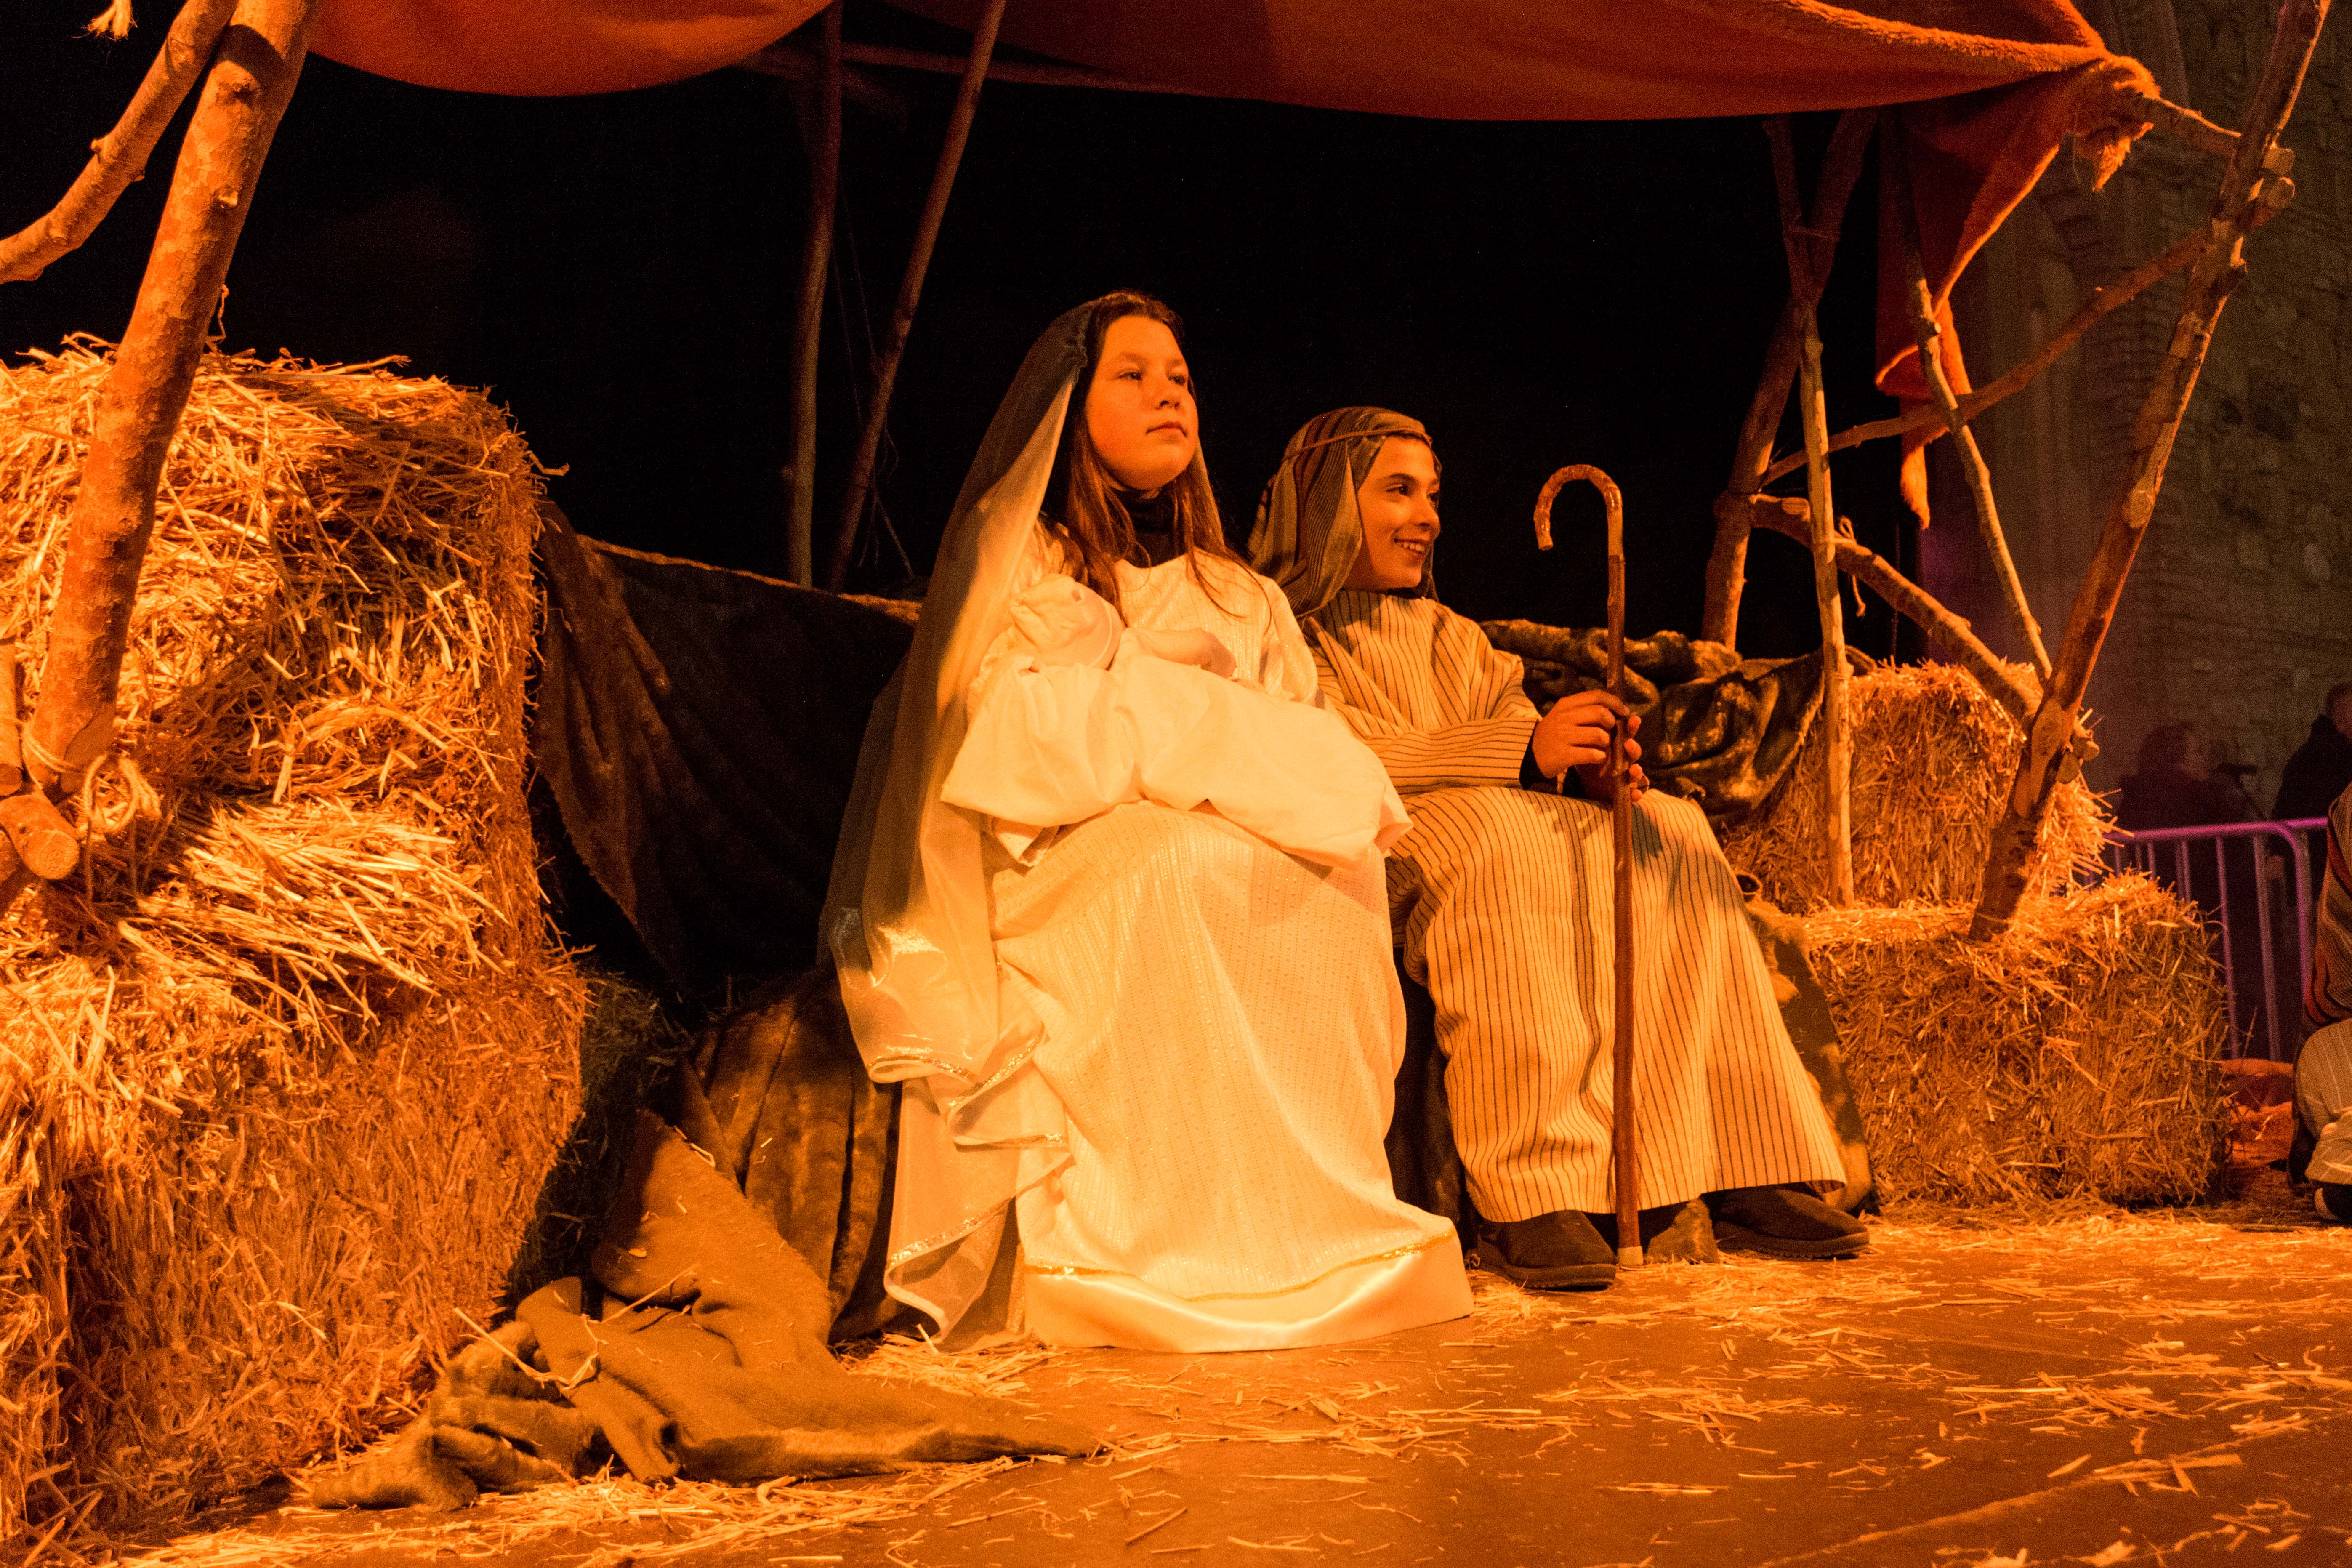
{"x":906,"y":913}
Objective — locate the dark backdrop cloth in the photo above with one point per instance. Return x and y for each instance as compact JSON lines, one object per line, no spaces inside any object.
{"x":780,"y":1102}
{"x":1716,"y":730}
{"x":699,"y":728}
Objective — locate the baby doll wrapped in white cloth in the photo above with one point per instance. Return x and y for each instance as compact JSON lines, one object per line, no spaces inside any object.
{"x":1074,"y":712}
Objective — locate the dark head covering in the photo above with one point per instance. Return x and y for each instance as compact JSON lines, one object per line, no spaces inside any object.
{"x":1308,"y":531}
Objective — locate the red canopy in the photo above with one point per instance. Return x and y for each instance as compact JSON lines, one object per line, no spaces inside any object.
{"x":1991,"y":88}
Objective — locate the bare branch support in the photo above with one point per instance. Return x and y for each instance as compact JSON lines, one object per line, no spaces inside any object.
{"x":2269,"y":201}
{"x":1791,"y":516}
{"x":1727,"y":566}
{"x":1809,"y":261}
{"x":1932,"y":350}
{"x":2217,"y":269}
{"x":259,"y":59}
{"x":816,"y":261}
{"x":119,"y":158}
{"x":910,"y":291}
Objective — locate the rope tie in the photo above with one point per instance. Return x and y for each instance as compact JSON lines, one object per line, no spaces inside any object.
{"x":38,"y":755}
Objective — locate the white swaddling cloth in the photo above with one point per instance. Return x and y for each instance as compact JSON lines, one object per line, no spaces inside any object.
{"x":1073,"y":713}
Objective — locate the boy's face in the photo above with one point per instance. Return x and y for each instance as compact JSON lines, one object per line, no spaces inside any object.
{"x":1398,"y":501}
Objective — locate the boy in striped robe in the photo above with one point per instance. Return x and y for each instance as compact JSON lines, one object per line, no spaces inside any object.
{"x":2323,"y":1073}
{"x":1501,"y":893}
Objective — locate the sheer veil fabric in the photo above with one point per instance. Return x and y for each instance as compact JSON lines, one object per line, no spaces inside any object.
{"x":907,"y":915}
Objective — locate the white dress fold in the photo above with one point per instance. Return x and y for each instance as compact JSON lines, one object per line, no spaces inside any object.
{"x":1190,"y":916}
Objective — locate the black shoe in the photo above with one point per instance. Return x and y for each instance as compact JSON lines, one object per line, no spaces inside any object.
{"x":1783,"y":1222}
{"x":1550,"y":1252}
{"x":2332,"y":1200}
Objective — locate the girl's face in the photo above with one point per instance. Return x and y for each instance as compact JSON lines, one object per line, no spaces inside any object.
{"x":1139,"y":413}
{"x":1398,"y":501}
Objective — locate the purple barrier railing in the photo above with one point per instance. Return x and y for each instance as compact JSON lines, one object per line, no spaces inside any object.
{"x":2236,"y":892}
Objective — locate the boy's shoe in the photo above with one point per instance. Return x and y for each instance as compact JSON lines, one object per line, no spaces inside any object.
{"x":1550,"y":1252}
{"x":1783,"y":1222}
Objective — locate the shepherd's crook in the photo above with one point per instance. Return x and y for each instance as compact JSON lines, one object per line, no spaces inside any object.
{"x":1620,"y":815}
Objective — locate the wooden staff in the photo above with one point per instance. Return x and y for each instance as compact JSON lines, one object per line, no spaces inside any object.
{"x":910,"y":291}
{"x":1622,"y":1146}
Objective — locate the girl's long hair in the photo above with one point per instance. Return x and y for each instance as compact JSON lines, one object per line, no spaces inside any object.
{"x":1083,"y":502}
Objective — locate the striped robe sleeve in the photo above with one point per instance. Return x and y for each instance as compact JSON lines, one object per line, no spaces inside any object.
{"x":2329,"y":999}
{"x":1487,"y":746}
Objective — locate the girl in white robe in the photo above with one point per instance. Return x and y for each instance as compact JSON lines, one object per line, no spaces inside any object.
{"x":1110,"y":907}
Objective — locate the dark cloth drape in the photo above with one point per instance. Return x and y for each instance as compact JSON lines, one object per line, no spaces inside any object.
{"x":1716,"y":730}
{"x":781,"y":1102}
{"x":695,"y":1349}
{"x":699,"y":728}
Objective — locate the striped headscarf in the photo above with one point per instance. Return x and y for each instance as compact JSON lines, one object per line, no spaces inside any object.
{"x":1308,"y":531}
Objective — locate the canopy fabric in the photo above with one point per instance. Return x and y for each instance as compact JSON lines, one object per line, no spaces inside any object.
{"x":1992,"y":88}
{"x":1446,"y":59}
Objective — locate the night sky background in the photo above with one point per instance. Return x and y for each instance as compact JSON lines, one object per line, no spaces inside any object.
{"x":619,"y":272}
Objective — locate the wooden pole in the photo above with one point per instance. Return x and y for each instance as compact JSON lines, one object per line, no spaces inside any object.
{"x":1973,"y":463}
{"x":1623,"y":1148}
{"x":118,"y":159}
{"x":1807,"y":265}
{"x":2269,"y":201}
{"x":1791,"y":516}
{"x":816,"y":259}
{"x":910,"y":291}
{"x":1930,"y":335}
{"x":1727,"y":565}
{"x":2217,"y":269}
{"x":253,"y":76}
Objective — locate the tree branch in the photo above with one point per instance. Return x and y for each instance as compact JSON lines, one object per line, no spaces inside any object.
{"x":119,"y":158}
{"x":2219,"y":268}
{"x":253,"y":76}
{"x":2269,"y":201}
{"x":1727,"y":565}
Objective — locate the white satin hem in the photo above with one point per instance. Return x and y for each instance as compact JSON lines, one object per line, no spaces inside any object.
{"x":1355,"y":1302}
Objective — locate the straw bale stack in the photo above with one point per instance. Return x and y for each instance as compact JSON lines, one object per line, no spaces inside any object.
{"x":281,"y":1076}
{"x":2078,"y":1056}
{"x":1933,"y":756}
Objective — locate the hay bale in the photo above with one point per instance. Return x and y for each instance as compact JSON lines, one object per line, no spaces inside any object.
{"x":2078,"y":1056}
{"x":284,"y":1073}
{"x":1933,"y":759}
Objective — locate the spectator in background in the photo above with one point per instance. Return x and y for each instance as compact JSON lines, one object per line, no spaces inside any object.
{"x":2174,"y":786}
{"x":2321,"y":768}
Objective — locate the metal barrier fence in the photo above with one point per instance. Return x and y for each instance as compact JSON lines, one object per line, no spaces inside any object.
{"x":2252,"y":878}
